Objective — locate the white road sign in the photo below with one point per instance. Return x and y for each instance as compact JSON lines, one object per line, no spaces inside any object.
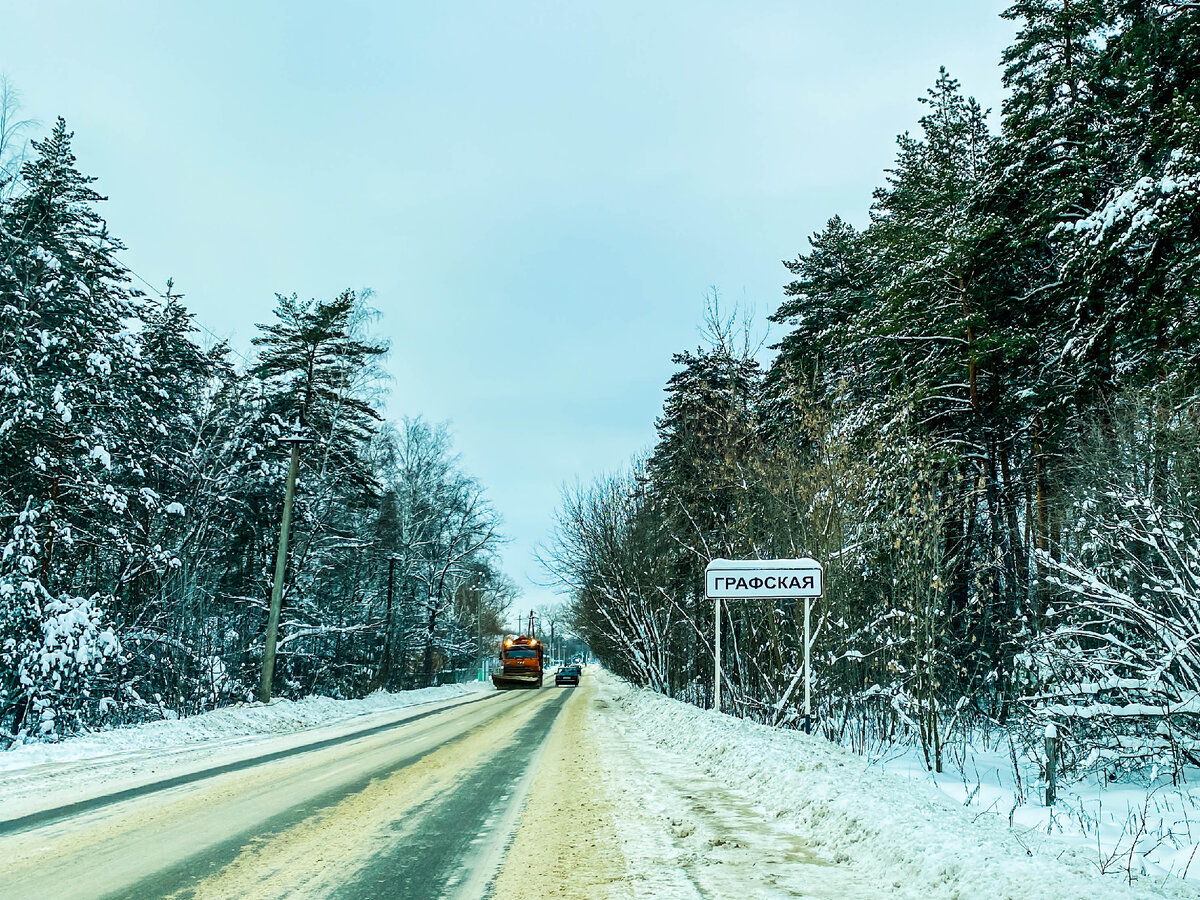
{"x":763,"y":579}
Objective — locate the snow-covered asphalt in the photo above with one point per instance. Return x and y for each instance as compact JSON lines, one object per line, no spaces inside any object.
{"x":603,"y":792}
{"x":421,"y":809}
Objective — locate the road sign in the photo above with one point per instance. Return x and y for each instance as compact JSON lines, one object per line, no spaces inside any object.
{"x":764,"y":579}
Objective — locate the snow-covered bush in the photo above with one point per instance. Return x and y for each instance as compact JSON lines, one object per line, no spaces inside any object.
{"x":1117,"y":665}
{"x":54,"y":649}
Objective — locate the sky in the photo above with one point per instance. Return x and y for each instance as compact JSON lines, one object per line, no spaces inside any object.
{"x":540,"y":194}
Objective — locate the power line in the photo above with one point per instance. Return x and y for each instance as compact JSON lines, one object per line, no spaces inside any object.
{"x":195,"y":320}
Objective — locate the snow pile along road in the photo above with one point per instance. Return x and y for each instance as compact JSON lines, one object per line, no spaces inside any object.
{"x":252,"y":720}
{"x":900,"y":838}
{"x":1147,"y":825}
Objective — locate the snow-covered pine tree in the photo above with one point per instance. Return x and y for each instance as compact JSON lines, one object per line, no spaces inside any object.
{"x":317,"y":370}
{"x":69,"y":405}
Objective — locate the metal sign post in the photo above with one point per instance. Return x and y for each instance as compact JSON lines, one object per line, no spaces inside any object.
{"x":717,"y":654}
{"x":807,"y":668}
{"x":764,"y":579}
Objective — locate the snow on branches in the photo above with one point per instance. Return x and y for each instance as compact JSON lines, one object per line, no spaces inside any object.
{"x":1119,"y":659}
{"x":56,"y":646}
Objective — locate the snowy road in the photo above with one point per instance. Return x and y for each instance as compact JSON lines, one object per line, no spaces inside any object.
{"x":424,"y":808}
{"x":603,"y":792}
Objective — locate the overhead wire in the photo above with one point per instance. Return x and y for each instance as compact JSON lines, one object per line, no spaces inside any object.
{"x":195,"y":321}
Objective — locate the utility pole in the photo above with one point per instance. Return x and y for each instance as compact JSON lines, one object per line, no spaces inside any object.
{"x":386,"y":667}
{"x":479,"y":628}
{"x":405,"y":682}
{"x":268,"y":666}
{"x":383,"y":672}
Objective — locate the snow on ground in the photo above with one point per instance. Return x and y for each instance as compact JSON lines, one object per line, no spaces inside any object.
{"x":36,"y":777}
{"x":248,"y":720}
{"x":1126,"y":827}
{"x":565,"y":846}
{"x":708,"y":806}
{"x":752,"y":811}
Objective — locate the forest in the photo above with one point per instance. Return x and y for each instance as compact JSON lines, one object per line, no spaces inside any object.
{"x":142,"y":470}
{"x":980,"y":412}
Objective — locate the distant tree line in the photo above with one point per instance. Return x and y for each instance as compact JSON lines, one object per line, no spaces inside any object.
{"x":141,"y":486}
{"x":983,"y":417}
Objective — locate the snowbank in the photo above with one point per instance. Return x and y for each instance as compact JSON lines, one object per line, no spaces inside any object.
{"x":280,"y":717}
{"x":1152,"y":828}
{"x":910,"y":839}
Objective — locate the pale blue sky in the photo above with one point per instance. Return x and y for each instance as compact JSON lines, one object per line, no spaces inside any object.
{"x":539,"y":193}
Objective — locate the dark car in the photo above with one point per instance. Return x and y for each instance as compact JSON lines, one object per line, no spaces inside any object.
{"x":567,"y":675}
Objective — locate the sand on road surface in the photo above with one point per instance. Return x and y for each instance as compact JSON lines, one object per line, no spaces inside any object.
{"x":566,"y":846}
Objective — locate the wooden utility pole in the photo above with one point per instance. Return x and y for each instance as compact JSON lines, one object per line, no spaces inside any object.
{"x":268,"y":665}
{"x":385,"y":666}
{"x":479,"y":628}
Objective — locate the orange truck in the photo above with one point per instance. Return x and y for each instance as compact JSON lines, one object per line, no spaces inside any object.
{"x":521,"y":661}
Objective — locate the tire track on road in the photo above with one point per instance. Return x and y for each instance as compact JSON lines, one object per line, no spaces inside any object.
{"x":61,"y":813}
{"x":457,"y":842}
{"x":171,"y":841}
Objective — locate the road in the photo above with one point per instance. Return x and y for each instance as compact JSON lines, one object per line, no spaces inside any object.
{"x":601,"y":792}
{"x":424,"y":808}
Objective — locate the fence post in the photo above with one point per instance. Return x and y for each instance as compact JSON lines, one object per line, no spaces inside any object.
{"x":1051,"y":763}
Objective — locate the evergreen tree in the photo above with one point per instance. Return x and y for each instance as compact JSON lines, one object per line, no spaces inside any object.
{"x":312,"y":362}
{"x":827,"y":310}
{"x":72,"y":401}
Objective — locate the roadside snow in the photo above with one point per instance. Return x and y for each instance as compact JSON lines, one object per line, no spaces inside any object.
{"x":37,"y":777}
{"x":250,"y":720}
{"x":878,"y":834}
{"x":1152,"y":829}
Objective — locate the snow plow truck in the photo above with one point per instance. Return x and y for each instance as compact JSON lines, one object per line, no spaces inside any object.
{"x":520,"y":664}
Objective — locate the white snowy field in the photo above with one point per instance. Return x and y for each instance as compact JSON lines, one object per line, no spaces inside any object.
{"x":723,"y":784}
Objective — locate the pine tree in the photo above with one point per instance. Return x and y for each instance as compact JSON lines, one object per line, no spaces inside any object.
{"x":312,"y":362}
{"x":71,"y":397}
{"x":827,"y":310}
{"x":1052,"y":114}
{"x":315,"y":370}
